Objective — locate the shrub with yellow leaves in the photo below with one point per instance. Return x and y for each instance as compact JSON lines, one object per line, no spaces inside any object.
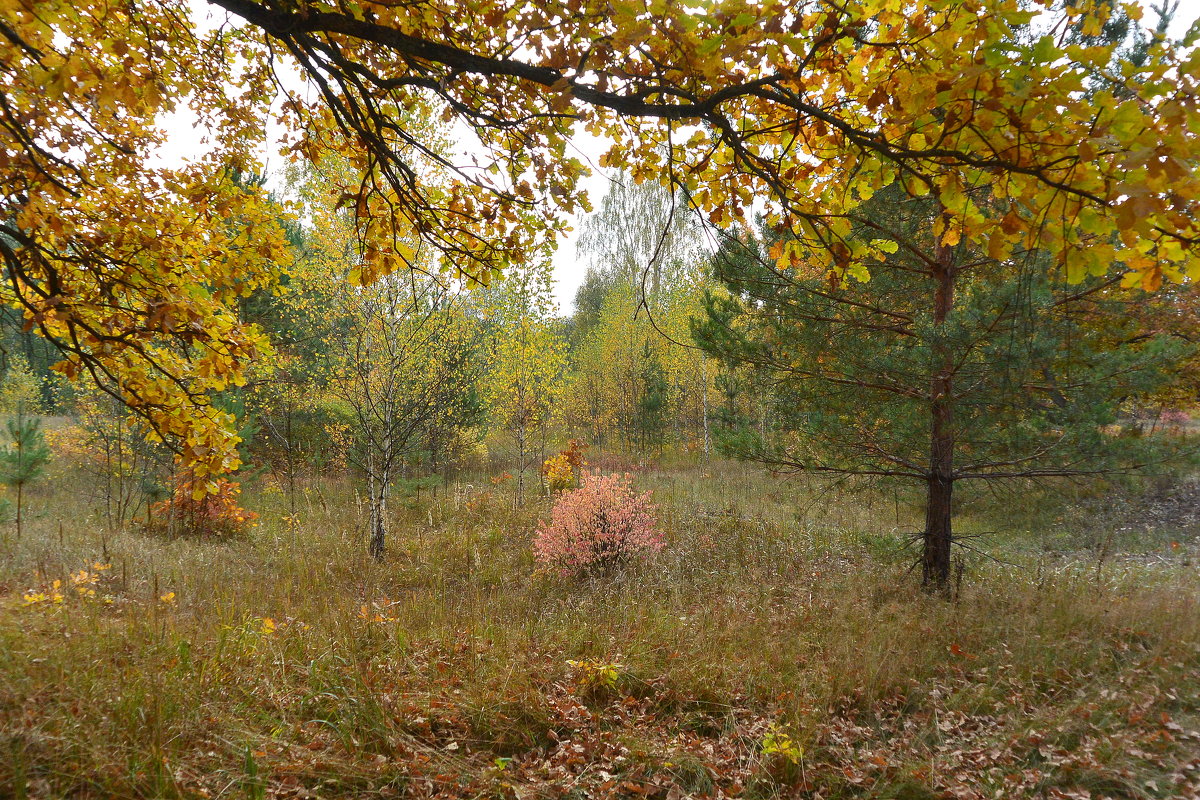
{"x":563,"y":469}
{"x":594,"y":675}
{"x":51,"y":597}
{"x":558,"y":473}
{"x":87,"y":583}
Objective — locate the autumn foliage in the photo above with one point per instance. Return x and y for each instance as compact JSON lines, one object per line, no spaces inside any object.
{"x":191,"y":511}
{"x":599,"y":526}
{"x":562,"y":469}
{"x":557,"y":472}
{"x":574,"y":455}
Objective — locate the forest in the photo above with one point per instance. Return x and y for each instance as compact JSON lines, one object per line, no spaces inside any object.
{"x":863,"y":461}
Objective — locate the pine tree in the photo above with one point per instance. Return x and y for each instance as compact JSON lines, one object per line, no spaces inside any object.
{"x":24,"y":460}
{"x":942,"y":365}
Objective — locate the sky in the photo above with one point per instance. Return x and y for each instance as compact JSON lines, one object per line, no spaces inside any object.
{"x":569,"y":266}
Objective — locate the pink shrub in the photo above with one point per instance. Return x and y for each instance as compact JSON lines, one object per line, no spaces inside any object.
{"x":1174,"y":417}
{"x":598,"y":526}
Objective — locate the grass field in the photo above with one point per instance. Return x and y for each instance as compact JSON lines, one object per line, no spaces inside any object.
{"x":778,"y":646}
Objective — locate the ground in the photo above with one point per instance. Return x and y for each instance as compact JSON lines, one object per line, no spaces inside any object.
{"x":778,"y":646}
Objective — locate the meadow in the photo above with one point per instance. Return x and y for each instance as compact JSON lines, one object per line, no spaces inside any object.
{"x":301,"y":282}
{"x":778,"y":646}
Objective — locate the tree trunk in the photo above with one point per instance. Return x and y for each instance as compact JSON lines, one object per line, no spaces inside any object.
{"x":704,"y":405}
{"x":290,"y":456}
{"x":935,"y":558}
{"x":938,"y":536}
{"x":118,"y":519}
{"x":377,"y":492}
{"x":521,"y":465}
{"x":541,"y":444}
{"x":377,"y":488}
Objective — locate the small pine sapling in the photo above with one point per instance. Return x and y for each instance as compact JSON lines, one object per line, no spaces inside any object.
{"x":24,"y":460}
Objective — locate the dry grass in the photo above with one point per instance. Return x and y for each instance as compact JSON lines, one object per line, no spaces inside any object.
{"x":290,"y":664}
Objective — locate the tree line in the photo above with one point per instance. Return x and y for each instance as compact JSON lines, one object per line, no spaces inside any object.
{"x":932,"y":211}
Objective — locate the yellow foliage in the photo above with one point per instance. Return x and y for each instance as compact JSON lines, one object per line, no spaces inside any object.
{"x":591,"y":674}
{"x":558,"y":472}
{"x":19,"y":388}
{"x":778,"y":742}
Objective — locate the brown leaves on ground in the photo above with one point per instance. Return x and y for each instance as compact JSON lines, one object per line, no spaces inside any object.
{"x":975,"y":734}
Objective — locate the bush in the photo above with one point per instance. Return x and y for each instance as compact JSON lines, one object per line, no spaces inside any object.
{"x":194,"y":510}
{"x":597,"y":527}
{"x":561,"y":470}
{"x":558,"y":473}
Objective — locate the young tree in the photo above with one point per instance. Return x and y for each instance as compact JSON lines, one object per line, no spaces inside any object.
{"x":128,"y":470}
{"x":643,"y":245}
{"x":634,"y":371}
{"x":407,"y":366}
{"x":642,"y":235}
{"x":401,"y":354}
{"x":948,"y":365}
{"x":615,"y":369}
{"x":524,"y":381}
{"x":19,"y":388}
{"x":24,"y":459}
